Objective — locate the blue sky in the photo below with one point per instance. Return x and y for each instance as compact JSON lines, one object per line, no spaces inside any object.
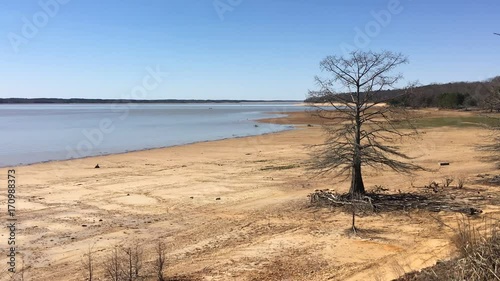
{"x":232,"y":49}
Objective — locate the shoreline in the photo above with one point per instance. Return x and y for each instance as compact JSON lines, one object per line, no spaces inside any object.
{"x":262,"y":120}
{"x":241,"y":202}
{"x":86,"y":101}
{"x":64,"y":156}
{"x":295,"y":119}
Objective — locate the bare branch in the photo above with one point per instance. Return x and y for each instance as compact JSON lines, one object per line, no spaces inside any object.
{"x":361,"y":129}
{"x":160,"y":261}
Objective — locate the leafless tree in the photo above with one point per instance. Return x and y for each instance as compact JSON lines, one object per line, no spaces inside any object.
{"x":160,"y":261}
{"x":88,"y":264}
{"x":114,"y":266}
{"x":491,"y":100}
{"x":133,"y":256}
{"x":361,"y":129}
{"x":137,"y":256}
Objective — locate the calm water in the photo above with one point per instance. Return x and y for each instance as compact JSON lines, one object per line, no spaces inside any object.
{"x":37,"y":133}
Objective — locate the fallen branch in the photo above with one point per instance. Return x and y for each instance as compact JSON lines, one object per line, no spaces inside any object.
{"x":390,"y":202}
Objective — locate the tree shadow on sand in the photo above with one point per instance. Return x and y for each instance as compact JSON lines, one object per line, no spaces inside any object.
{"x":465,"y":201}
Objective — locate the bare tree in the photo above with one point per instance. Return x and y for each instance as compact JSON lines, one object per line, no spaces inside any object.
{"x":137,"y":256}
{"x":129,"y":269}
{"x":133,"y":256}
{"x":114,"y":266}
{"x":361,"y":129}
{"x":159,"y":264}
{"x":88,"y":264}
{"x":491,"y":100}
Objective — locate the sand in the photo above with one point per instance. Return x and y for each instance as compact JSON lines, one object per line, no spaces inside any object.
{"x":235,"y":209}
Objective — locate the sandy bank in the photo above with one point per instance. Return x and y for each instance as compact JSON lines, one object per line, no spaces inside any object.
{"x":260,"y":229}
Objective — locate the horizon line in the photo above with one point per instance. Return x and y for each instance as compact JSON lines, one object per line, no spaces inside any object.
{"x":97,"y":100}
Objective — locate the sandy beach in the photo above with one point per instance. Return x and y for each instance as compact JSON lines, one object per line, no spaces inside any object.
{"x":237,"y":209}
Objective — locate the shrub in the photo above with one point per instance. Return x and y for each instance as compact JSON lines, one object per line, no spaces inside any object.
{"x":479,"y":257}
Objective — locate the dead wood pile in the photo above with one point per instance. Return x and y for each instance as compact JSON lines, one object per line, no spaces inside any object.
{"x":377,"y":202}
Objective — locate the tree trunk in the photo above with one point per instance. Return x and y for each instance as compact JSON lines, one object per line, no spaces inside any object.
{"x":357,"y":185}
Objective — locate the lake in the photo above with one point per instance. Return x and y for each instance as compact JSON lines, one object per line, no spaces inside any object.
{"x":42,"y":132}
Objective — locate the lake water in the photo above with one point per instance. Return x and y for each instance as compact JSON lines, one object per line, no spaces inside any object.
{"x":37,"y":133}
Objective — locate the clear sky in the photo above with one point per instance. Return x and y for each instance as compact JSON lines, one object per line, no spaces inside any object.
{"x":232,"y":49}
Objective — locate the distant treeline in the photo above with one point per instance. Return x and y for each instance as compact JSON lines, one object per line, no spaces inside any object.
{"x":457,"y":95}
{"x":81,"y":100}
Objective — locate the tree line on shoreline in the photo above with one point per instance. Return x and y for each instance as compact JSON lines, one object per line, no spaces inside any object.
{"x":456,"y":95}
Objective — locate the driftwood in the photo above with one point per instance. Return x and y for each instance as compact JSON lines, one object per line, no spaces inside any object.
{"x":375,"y":202}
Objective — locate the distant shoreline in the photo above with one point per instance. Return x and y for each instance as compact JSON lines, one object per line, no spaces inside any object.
{"x":240,"y":121}
{"x":108,"y":101}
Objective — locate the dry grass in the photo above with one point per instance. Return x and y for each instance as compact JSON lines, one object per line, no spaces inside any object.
{"x":480,"y":251}
{"x":479,"y":256}
{"x":461,"y":181}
